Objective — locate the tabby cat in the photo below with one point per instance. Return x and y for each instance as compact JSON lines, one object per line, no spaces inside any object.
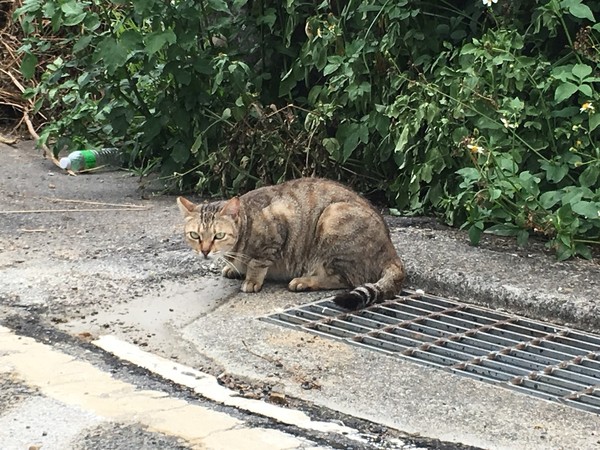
{"x":314,"y":232}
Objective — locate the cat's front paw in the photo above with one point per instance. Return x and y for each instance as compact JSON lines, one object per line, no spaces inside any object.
{"x":250,"y":286}
{"x":299,"y":285}
{"x":230,"y":272}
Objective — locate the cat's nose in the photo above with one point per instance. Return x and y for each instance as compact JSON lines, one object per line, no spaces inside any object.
{"x":205,"y":253}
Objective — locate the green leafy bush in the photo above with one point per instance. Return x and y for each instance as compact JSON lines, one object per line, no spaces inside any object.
{"x":481,"y":113}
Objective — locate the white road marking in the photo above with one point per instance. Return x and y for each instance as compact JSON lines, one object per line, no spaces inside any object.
{"x":81,"y":385}
{"x":207,"y":386}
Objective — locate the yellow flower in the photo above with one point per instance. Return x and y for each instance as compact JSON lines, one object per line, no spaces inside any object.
{"x":587,"y":106}
{"x":475,"y":148}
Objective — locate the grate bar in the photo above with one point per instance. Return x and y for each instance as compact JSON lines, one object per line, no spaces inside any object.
{"x":536,"y":358}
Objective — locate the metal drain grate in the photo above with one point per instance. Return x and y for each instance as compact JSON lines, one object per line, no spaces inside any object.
{"x":540,"y":359}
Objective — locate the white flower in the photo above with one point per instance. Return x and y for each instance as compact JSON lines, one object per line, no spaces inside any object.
{"x":475,"y":149}
{"x":587,"y":107}
{"x":507,"y":124}
{"x":489,"y":2}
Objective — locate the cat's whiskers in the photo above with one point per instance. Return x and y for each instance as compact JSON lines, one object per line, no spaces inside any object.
{"x":238,"y":257}
{"x":229,"y":264}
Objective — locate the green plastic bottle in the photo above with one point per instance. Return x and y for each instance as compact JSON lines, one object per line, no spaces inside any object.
{"x":90,"y":159}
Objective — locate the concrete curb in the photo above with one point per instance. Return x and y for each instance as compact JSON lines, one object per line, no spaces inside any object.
{"x":530,"y":283}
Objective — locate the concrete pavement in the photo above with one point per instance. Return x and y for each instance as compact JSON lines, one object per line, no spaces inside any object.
{"x":128,"y":274}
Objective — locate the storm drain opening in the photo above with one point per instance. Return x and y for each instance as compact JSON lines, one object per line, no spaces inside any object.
{"x":536,"y":358}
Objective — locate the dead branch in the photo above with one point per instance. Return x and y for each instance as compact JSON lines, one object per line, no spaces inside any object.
{"x":42,"y":211}
{"x":88,"y":202}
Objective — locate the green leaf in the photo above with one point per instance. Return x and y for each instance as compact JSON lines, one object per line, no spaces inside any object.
{"x":351,"y":134}
{"x":594,"y":121}
{"x":581,"y":71}
{"x":289,"y":80}
{"x":589,"y":210}
{"x":571,"y":196}
{"x":503,"y":229}
{"x":111,"y":53}
{"x":522,"y":238}
{"x":583,"y":251}
{"x":197,"y":143}
{"x":71,"y":8}
{"x":555,"y":171}
{"x":82,"y":43}
{"x":28,"y":6}
{"x":180,"y":153}
{"x":75,"y":19}
{"x":28,"y":65}
{"x":330,"y":68}
{"x":563,"y":252}
{"x":218,"y":5}
{"x":494,"y":194}
{"x":475,"y":233}
{"x":564,"y":91}
{"x":402,"y":141}
{"x":580,"y":11}
{"x":268,"y":18}
{"x":563,"y":73}
{"x":92,"y":21}
{"x":131,"y":39}
{"x":550,"y":198}
{"x":589,"y":176}
{"x":157,"y":40}
{"x":530,"y":182}
{"x":586,"y":90}
{"x":49,"y":9}
{"x":569,"y":111}
{"x":566,"y":220}
{"x":332,"y":146}
{"x":141,"y":6}
{"x":470,"y":174}
{"x":183,"y":76}
{"x":202,"y":66}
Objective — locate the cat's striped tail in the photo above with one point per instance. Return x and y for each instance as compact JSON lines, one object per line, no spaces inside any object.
{"x":367,"y":294}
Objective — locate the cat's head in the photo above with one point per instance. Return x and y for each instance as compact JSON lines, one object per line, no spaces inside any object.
{"x":211,"y":228}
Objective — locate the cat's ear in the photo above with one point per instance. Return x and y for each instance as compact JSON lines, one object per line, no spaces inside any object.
{"x":231,"y":208}
{"x":185,"y":206}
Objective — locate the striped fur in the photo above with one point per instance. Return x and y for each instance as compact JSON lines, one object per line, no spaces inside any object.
{"x":370,"y":293}
{"x":313,"y":233}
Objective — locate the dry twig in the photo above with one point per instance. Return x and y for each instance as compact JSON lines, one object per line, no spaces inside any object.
{"x":275,"y":361}
{"x":88,"y":202}
{"x":41,"y":211}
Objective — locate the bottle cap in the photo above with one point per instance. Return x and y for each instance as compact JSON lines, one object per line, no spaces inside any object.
{"x":65,"y":163}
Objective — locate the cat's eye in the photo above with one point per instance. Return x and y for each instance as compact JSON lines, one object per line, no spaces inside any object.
{"x":219,"y":235}
{"x":194,"y":235}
